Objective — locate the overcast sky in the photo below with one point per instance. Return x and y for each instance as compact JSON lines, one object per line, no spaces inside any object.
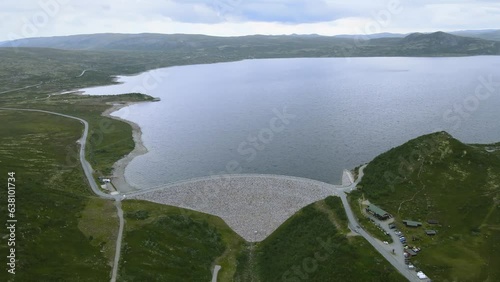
{"x":34,"y":18}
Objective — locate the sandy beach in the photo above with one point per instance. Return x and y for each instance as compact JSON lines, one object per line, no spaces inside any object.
{"x":118,"y":176}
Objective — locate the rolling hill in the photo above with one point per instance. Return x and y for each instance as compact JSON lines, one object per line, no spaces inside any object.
{"x":444,"y":42}
{"x":491,"y":34}
{"x":436,"y":177}
{"x":260,"y":46}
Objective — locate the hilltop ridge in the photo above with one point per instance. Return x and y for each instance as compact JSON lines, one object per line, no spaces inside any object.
{"x":272,"y":46}
{"x":440,"y":178}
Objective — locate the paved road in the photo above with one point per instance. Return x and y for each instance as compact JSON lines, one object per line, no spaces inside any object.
{"x":83,"y":72}
{"x":118,"y":248}
{"x":216,"y":272}
{"x":411,"y":275}
{"x":87,"y":168}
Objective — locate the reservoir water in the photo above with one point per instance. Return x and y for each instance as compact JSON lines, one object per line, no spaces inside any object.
{"x":302,"y":117}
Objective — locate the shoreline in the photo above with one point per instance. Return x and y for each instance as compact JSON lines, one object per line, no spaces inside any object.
{"x":118,"y":175}
{"x":120,"y":182}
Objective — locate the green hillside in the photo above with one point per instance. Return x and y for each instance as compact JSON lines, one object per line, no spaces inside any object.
{"x":260,"y":46}
{"x":442,"y":43}
{"x":483,"y":34}
{"x":313,"y":245}
{"x":65,"y":233}
{"x":164,"y":243}
{"x":436,"y":177}
{"x":35,"y":68}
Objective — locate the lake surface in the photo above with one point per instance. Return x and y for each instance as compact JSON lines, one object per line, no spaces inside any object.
{"x":302,"y":117}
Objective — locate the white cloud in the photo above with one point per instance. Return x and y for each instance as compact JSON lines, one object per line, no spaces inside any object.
{"x":31,"y":18}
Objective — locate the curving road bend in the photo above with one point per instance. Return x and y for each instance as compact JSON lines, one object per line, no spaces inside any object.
{"x":215,"y":273}
{"x":87,"y":168}
{"x":399,"y":264}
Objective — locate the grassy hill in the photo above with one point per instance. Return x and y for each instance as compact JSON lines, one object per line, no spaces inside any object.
{"x":441,"y":42}
{"x":437,"y":177}
{"x":313,"y":246}
{"x":35,"y":68}
{"x":259,"y":46}
{"x":173,"y":42}
{"x":53,"y":70}
{"x":483,"y":34}
{"x":66,"y":233}
{"x":58,"y":212}
{"x":165,"y":243}
{"x":54,"y":238}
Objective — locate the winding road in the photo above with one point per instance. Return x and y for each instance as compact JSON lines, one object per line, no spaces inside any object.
{"x":87,"y":168}
{"x":399,"y":264}
{"x":83,"y":72}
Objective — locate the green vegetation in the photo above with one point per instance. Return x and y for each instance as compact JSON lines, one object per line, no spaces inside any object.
{"x":43,"y":71}
{"x":165,"y":243}
{"x":99,"y":223}
{"x":483,"y":34}
{"x":335,"y":204}
{"x":437,"y":177}
{"x":50,"y":198}
{"x":188,"y":47}
{"x":308,"y":246}
{"x":364,"y":220}
{"x":108,"y":140}
{"x":493,"y":149}
{"x":66,"y":232}
{"x":63,"y":231}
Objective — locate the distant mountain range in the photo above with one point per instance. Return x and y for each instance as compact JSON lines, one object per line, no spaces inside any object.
{"x":372,"y":36}
{"x":460,"y":43}
{"x":489,"y":34}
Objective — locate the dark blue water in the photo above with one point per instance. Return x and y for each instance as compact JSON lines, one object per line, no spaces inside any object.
{"x":303,"y":117}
